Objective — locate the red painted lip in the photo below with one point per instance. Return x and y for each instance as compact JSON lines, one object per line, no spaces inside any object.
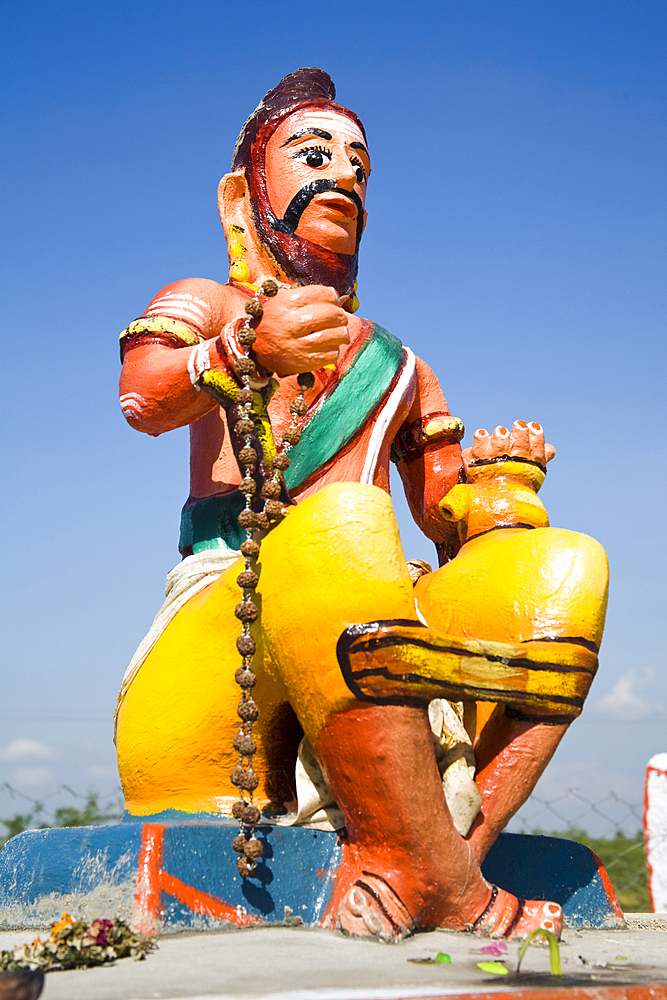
{"x":337,"y":203}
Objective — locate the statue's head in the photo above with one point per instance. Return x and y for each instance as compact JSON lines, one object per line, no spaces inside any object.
{"x":300,"y":168}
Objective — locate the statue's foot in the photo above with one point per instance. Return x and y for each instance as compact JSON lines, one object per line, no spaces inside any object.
{"x":371,"y":908}
{"x":507,"y":917}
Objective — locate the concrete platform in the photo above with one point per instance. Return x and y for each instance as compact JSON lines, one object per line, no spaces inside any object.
{"x":170,"y":874}
{"x":299,"y":963}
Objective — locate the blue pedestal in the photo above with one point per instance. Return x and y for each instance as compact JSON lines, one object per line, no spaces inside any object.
{"x":184,"y":874}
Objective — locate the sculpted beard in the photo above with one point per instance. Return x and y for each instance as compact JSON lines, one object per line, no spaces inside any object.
{"x":300,"y":260}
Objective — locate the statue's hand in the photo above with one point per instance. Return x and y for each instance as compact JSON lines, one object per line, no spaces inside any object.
{"x":301,"y":330}
{"x":501,"y":494}
{"x":523,"y":441}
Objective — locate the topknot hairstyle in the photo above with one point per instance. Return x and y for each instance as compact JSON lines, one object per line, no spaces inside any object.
{"x":304,"y":86}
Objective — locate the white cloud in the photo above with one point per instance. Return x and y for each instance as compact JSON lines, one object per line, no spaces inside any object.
{"x":624,"y":703}
{"x":24,"y":749}
{"x":32,"y":777}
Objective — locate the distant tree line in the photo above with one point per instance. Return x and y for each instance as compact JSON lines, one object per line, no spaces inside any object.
{"x":91,"y":813}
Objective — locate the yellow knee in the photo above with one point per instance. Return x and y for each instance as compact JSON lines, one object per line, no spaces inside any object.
{"x":178,"y":718}
{"x":517,"y":584}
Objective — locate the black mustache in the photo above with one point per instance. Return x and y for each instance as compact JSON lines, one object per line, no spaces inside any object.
{"x":300,"y":202}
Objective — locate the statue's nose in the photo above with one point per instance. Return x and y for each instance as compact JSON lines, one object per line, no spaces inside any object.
{"x":346,"y":175}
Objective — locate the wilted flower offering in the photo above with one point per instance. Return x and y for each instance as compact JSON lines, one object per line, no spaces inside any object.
{"x":75,"y":944}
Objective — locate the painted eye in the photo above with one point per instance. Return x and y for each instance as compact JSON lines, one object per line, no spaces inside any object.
{"x":315,"y":156}
{"x":358,"y":169}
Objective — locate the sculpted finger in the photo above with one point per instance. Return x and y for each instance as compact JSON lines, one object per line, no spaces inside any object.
{"x":315,"y":293}
{"x":325,"y":359}
{"x":328,"y":339}
{"x":320,"y":316}
{"x":500,"y":442}
{"x":318,"y":356}
{"x":481,"y":447}
{"x":549,"y":452}
{"x":519,"y":439}
{"x":537,"y":446}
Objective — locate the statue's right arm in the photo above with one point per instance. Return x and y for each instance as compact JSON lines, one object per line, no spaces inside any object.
{"x":179,"y":335}
{"x":191,"y":327}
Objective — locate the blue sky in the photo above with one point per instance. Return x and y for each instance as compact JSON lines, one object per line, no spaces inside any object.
{"x":516,"y":240}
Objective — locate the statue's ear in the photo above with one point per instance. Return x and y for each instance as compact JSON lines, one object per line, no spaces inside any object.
{"x":233,"y":201}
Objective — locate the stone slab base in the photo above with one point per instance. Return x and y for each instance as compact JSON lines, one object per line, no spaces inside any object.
{"x":171,"y":876}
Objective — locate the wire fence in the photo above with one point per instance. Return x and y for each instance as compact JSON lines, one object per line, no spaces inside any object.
{"x":61,"y":807}
{"x":611,"y":826}
{"x":605,"y":817}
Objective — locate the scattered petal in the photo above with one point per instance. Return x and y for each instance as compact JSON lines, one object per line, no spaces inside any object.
{"x":495,"y":950}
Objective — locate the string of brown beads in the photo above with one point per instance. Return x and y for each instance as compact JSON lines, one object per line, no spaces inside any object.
{"x":248,"y":847}
{"x":243,"y":776}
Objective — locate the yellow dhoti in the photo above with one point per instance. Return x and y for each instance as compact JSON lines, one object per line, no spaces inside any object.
{"x":335,"y":561}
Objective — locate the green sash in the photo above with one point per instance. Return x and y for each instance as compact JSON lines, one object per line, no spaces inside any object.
{"x":212,"y":523}
{"x":346,"y":410}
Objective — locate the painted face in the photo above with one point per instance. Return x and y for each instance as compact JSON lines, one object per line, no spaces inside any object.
{"x":317,"y":166}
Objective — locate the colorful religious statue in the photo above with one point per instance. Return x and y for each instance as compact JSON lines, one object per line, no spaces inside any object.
{"x":300,"y":671}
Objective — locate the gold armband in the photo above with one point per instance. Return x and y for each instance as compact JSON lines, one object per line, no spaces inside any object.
{"x":515,"y":468}
{"x":171,"y":331}
{"x":411,"y":441}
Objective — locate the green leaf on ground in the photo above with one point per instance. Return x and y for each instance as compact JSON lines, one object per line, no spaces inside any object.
{"x":496,"y":968}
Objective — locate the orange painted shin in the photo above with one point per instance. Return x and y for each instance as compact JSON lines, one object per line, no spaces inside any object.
{"x":380,"y":765}
{"x":511,"y":756}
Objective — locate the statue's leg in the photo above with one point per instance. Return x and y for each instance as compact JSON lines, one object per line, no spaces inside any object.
{"x":539,"y":588}
{"x":178,"y":718}
{"x":335,"y":561}
{"x":511,"y":757}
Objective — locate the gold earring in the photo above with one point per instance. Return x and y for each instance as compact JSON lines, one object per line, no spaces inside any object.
{"x":238,"y":268}
{"x":354,"y":305}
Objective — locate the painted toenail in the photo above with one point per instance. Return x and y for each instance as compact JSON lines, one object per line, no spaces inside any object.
{"x":357,"y":902}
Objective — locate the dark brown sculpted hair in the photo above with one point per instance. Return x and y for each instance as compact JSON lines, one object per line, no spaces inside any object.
{"x":300,"y":260}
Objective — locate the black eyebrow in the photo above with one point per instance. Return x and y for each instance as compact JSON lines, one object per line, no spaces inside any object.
{"x":308,"y":131}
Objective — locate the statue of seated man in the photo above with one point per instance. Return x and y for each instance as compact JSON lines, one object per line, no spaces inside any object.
{"x":426,"y":704}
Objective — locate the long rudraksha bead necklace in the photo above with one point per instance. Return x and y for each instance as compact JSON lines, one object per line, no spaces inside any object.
{"x":246,"y":844}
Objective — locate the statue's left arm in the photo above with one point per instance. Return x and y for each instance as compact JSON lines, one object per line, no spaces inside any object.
{"x":428,"y":456}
